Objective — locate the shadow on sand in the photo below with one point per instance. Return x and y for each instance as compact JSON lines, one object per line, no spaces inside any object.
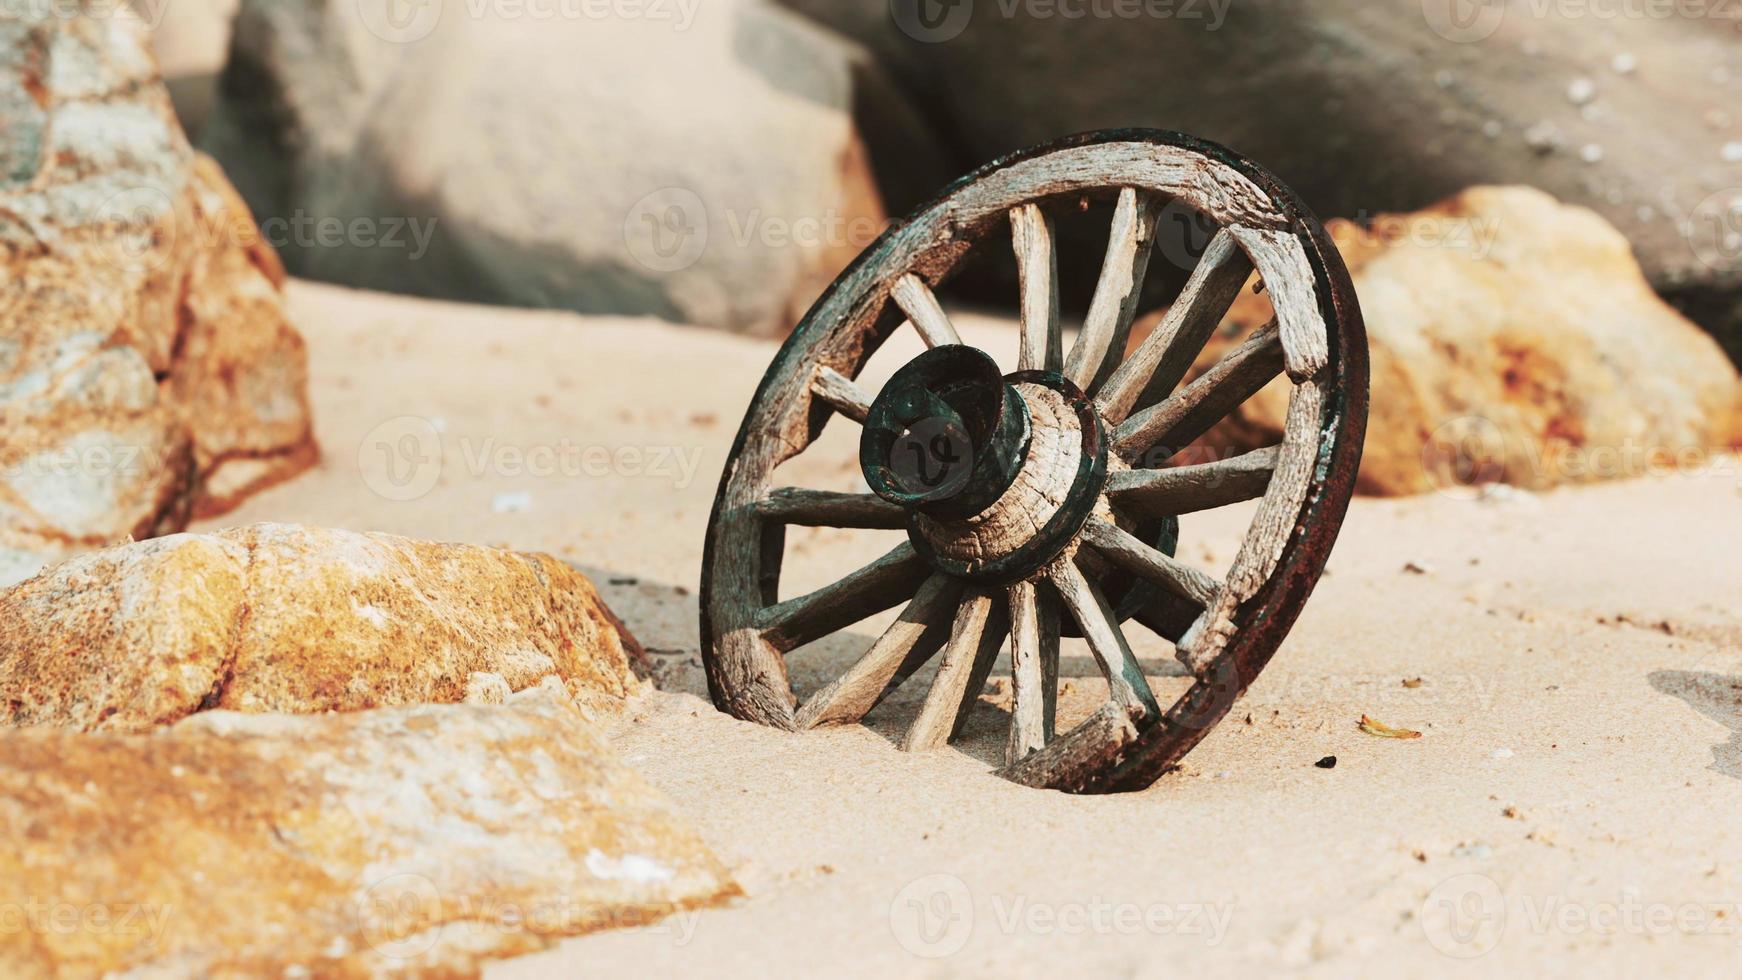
{"x":1718,"y":697}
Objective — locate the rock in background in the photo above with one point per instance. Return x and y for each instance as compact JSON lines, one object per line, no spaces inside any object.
{"x":696,"y":162}
{"x":147,"y":371}
{"x":400,"y":841}
{"x":277,"y":617}
{"x":1513,"y":340}
{"x":1633,"y":110}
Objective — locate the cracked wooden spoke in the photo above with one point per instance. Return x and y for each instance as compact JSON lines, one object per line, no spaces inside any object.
{"x":1034,"y":660}
{"x":951,"y":688}
{"x":1177,"y":490}
{"x":1123,"y":549}
{"x":903,"y":647}
{"x":1100,"y":628}
{"x":871,"y":589}
{"x":1155,"y":368}
{"x":827,"y":508}
{"x":1031,"y":236}
{"x":1102,"y":343}
{"x":1194,"y":409}
{"x":842,"y":393}
{"x":917,"y":301}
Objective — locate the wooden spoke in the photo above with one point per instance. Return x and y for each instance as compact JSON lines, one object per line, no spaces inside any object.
{"x":1184,"y":489}
{"x":904,"y":646}
{"x":871,"y":589}
{"x":1037,"y":269}
{"x":1191,"y":411}
{"x":952,"y":688}
{"x":1157,"y":365}
{"x":1093,"y":614}
{"x":825,"y":508}
{"x":917,"y":301}
{"x":842,"y":393}
{"x":1122,"y":548}
{"x":1034,"y":664}
{"x":1102,"y":343}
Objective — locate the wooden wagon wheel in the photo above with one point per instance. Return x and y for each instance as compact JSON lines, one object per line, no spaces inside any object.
{"x":1052,"y":468}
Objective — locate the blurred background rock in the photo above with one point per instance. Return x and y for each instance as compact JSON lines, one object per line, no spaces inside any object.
{"x":743,"y":154}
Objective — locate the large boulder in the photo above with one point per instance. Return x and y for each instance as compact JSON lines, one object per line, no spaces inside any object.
{"x":693,"y":161}
{"x":403,"y":841}
{"x":1513,"y":340}
{"x":1632,"y":110}
{"x":147,"y":370}
{"x":275,"y":617}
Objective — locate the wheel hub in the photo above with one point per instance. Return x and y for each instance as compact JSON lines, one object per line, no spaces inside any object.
{"x":998,"y":473}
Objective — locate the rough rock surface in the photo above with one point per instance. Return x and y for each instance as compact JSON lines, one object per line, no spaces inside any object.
{"x":399,"y":841}
{"x":1633,"y":110}
{"x":147,"y":370}
{"x":1514,"y":340}
{"x":276,"y":617}
{"x":698,"y":163}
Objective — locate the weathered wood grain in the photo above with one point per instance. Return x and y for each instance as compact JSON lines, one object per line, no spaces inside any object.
{"x":916,"y":634}
{"x":1107,"y":326}
{"x":747,"y":674}
{"x":1288,"y":277}
{"x":1173,"y":490}
{"x":1270,"y":529}
{"x":842,"y":393}
{"x":1034,"y":653}
{"x":870,"y":590}
{"x":828,"y":508}
{"x":942,"y":703}
{"x":1031,"y":237}
{"x":1191,"y":411}
{"x":1089,"y":607}
{"x":1155,"y":368}
{"x":1124,"y":549}
{"x":921,"y":306}
{"x":1091,"y":747}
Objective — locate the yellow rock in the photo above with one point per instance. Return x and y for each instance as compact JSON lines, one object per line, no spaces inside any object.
{"x":401,"y":840}
{"x":285,"y":618}
{"x":1513,"y":339}
{"x":147,"y":370}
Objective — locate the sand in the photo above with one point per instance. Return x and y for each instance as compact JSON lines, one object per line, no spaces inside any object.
{"x":1573,"y":803}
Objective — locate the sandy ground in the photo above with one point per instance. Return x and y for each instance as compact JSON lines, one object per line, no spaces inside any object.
{"x":1574,"y":803}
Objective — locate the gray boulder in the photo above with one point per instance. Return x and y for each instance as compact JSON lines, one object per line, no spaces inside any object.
{"x":696,"y":162}
{"x":1372,"y":107}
